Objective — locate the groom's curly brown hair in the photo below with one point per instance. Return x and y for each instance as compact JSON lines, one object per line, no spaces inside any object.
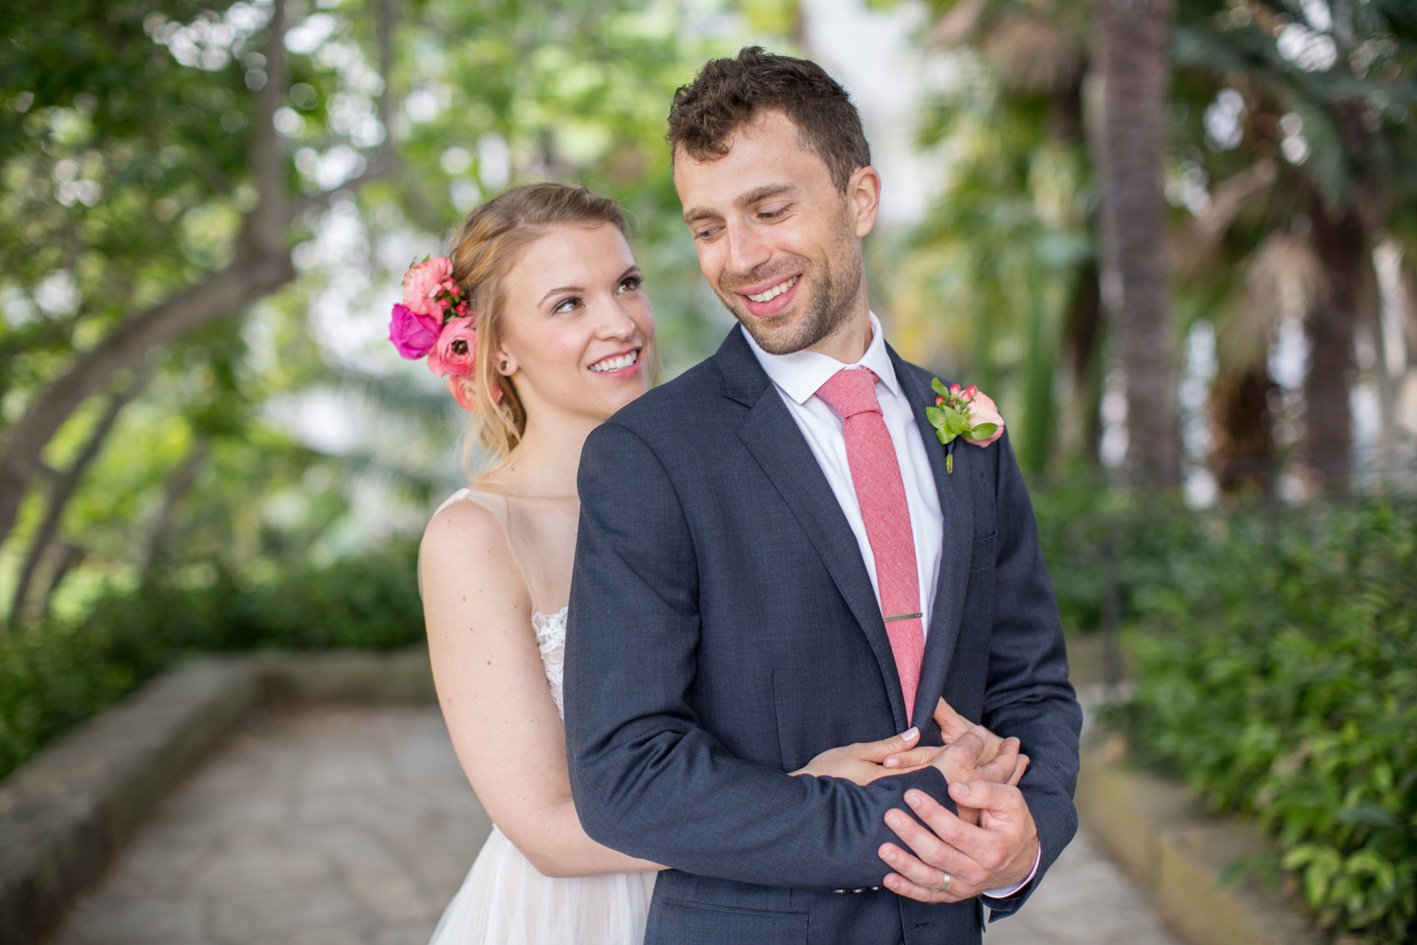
{"x":729,"y":93}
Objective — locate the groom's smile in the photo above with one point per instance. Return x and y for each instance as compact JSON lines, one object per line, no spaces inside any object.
{"x":767,"y":298}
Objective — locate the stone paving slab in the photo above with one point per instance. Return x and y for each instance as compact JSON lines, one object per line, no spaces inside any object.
{"x":319,"y":825}
{"x":353,"y":825}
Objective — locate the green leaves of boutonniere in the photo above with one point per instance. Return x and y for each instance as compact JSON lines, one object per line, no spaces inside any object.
{"x":962,"y":413}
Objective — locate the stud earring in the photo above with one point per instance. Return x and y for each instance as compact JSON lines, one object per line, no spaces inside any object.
{"x":502,"y":366}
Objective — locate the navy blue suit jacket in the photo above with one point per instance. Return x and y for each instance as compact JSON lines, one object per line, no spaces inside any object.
{"x":723,"y":631}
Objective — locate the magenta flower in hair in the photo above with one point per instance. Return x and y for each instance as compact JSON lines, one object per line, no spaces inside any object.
{"x":414,"y":335}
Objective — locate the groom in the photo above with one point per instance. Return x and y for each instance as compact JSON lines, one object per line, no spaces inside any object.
{"x":773,"y":560}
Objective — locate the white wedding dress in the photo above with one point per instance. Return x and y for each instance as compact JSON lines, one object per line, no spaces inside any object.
{"x":505,"y":900}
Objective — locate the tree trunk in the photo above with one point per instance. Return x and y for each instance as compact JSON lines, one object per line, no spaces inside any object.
{"x":1242,"y":455}
{"x":1080,"y":419}
{"x":70,"y":556}
{"x":1326,"y":446}
{"x":1133,"y":56}
{"x":179,"y":484}
{"x":63,"y":488}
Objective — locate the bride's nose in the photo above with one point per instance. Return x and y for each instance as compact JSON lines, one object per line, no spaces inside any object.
{"x":616,"y":323}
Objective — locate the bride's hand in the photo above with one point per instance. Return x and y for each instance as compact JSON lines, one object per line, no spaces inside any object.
{"x":861,"y":761}
{"x":953,"y":727}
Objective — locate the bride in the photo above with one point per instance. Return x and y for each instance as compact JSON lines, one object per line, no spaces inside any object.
{"x":539,"y":321}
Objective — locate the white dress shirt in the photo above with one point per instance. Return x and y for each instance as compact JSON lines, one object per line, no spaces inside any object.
{"x":797,"y":376}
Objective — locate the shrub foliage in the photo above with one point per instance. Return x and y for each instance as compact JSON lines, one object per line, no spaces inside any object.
{"x":56,"y":675}
{"x":1276,"y":673}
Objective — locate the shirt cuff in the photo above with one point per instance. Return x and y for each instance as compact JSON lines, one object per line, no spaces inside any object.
{"x":1007,"y":891}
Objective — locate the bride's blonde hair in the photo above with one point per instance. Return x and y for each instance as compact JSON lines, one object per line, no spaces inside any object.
{"x":487,"y":246}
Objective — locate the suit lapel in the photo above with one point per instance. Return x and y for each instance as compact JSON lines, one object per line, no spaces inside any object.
{"x":772,"y":437}
{"x":957,"y":513}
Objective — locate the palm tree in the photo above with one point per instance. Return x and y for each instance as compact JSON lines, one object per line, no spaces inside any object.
{"x":1133,"y":50}
{"x":1306,"y":110}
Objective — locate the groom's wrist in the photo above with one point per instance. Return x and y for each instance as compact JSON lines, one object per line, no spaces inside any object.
{"x":1008,"y":892}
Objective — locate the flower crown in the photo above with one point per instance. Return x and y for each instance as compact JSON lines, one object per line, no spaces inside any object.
{"x":434,"y":320}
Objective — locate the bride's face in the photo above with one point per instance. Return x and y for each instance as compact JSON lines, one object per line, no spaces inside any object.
{"x":576,"y":323}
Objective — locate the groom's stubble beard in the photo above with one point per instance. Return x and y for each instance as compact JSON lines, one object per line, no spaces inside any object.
{"x":831,"y":306}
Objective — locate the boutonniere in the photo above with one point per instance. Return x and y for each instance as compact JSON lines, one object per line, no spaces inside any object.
{"x":963,"y":413}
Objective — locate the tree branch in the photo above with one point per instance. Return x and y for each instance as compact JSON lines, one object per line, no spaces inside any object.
{"x":268,"y":222}
{"x":63,"y":488}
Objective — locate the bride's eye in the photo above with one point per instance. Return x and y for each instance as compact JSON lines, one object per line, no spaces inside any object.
{"x":567,"y":305}
{"x":632,"y":283}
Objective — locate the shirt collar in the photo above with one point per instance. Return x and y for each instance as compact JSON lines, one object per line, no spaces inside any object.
{"x":800,"y":373}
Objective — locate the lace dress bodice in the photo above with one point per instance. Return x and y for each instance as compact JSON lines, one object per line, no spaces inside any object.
{"x":551,"y":641}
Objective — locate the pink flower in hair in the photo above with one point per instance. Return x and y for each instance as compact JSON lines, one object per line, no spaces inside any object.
{"x":461,"y":389}
{"x":456,"y":348}
{"x":413,"y":335}
{"x":425,"y":282}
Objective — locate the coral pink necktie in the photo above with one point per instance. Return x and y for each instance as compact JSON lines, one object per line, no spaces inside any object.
{"x":876,"y":475}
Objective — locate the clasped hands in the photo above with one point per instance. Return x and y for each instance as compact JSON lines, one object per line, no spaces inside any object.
{"x":943,"y":856}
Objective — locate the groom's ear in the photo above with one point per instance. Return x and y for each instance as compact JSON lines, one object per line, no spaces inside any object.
{"x":863,"y":198}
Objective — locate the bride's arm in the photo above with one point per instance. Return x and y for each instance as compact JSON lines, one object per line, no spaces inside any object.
{"x":493,"y":692}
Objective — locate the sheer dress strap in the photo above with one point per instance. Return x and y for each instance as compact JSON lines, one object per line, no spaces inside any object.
{"x":541,"y":535}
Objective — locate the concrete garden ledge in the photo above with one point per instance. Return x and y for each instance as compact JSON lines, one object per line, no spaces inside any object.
{"x":1161,"y":837}
{"x":66,"y":812}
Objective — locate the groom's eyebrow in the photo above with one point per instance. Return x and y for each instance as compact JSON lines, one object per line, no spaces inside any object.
{"x":743,"y":201}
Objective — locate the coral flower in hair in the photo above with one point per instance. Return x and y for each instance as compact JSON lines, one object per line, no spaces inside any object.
{"x":457,"y":346}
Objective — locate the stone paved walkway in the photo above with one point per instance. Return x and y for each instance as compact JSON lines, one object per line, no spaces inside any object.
{"x":353,"y":825}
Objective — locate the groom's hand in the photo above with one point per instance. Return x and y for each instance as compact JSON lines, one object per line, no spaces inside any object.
{"x":950,"y":860}
{"x":953,"y":727}
{"x":968,"y":758}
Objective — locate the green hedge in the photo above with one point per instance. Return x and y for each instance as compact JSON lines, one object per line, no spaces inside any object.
{"x":1276,"y":672}
{"x":55,"y":676}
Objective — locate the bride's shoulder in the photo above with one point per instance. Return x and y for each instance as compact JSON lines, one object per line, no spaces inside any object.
{"x":467,"y":527}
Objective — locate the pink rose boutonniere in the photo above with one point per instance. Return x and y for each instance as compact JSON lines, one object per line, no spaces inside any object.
{"x":963,"y":413}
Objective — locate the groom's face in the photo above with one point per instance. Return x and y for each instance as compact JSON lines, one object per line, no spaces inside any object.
{"x":777,"y":241}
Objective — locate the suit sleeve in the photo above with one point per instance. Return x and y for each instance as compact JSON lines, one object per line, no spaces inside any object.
{"x":1027,"y":693}
{"x":647,"y":778}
